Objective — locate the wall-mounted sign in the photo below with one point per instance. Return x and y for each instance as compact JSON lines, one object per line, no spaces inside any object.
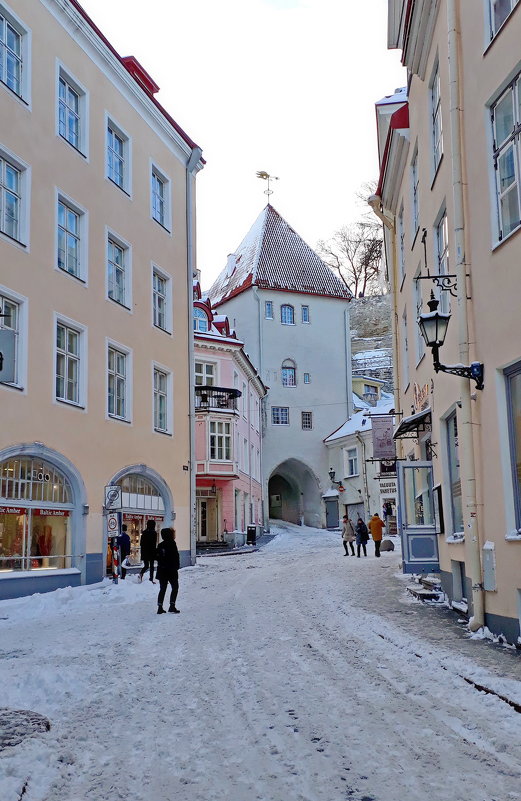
{"x":52,"y":512}
{"x":384,"y":446}
{"x":113,"y":497}
{"x":12,"y":510}
{"x":420,"y":397}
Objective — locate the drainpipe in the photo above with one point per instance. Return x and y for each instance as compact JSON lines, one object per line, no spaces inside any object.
{"x":472,"y":545}
{"x":262,"y":412}
{"x":364,"y":471}
{"x":191,"y":169}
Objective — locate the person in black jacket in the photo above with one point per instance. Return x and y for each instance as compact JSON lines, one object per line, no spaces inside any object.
{"x":124,"y":549}
{"x":167,"y":557}
{"x":148,"y":544}
{"x":362,"y":535}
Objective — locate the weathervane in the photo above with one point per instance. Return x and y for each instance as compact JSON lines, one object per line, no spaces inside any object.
{"x":267,"y":177}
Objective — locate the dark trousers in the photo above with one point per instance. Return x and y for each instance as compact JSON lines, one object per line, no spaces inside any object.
{"x":377,"y":544}
{"x":362,"y":544}
{"x":164,"y":581}
{"x":345,"y":547}
{"x":149,"y":563}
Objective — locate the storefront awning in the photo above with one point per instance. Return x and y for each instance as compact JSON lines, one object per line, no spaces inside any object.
{"x":414,"y":425}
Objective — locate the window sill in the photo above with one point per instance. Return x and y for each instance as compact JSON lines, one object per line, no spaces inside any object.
{"x":499,"y":243}
{"x":436,"y":171}
{"x":161,"y":225}
{"x":13,"y":239}
{"x":121,"y":188}
{"x":23,"y":574}
{"x":118,"y":303}
{"x":7,"y":385}
{"x":161,"y":431}
{"x":15,"y":95}
{"x":287,"y":323}
{"x":76,"y":149}
{"x":513,"y":536}
{"x":415,"y":237}
{"x":454,"y":539}
{"x":64,"y":402}
{"x":164,"y":330}
{"x":119,"y":419}
{"x":71,"y":275}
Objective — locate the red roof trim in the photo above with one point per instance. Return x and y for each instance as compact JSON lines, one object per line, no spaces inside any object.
{"x":399,"y":120}
{"x":158,"y":105}
{"x":246,"y":285}
{"x":140,"y":74}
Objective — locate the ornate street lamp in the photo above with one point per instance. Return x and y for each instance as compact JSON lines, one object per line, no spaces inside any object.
{"x":433,"y":326}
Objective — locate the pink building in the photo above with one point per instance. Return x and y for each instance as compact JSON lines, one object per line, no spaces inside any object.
{"x":228,"y":439}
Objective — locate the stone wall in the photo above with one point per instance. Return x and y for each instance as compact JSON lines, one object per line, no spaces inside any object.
{"x":371,"y":338}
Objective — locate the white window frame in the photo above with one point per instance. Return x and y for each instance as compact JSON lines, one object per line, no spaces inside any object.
{"x":305,"y":419}
{"x":305,"y":316}
{"x":404,"y":350}
{"x":164,"y":276}
{"x":24,"y":95}
{"x":283,"y":315}
{"x":168,"y":394}
{"x":166,"y":221}
{"x":111,"y":236}
{"x":21,"y":338}
{"x":288,"y":371}
{"x":442,"y":255}
{"x":493,"y":30}
{"x":200,"y":314}
{"x":351,"y":467}
{"x":244,"y":400}
{"x":277,"y":415}
{"x":81,"y":330}
{"x":268,"y":310}
{"x":510,"y":143}
{"x":126,"y":185}
{"x":223,"y":439}
{"x":62,"y":73}
{"x":24,"y":195}
{"x":436,"y":121}
{"x":83,"y":236}
{"x":401,"y":246}
{"x":415,"y":194}
{"x":307,"y":378}
{"x":204,"y":373}
{"x":111,"y":344}
{"x":418,"y":305}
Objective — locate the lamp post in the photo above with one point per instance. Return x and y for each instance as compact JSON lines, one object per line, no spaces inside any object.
{"x":332,"y":477}
{"x":433,"y":327}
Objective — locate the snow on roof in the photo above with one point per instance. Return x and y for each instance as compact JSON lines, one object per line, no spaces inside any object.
{"x":399,"y":96}
{"x":361,"y":421}
{"x":273,"y":256}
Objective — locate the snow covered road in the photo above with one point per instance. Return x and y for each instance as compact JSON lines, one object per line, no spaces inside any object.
{"x":287,"y":677}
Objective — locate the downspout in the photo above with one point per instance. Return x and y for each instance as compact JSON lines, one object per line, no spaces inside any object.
{"x":364,"y":471}
{"x":190,"y":266}
{"x":262,"y":411}
{"x":472,"y":546}
{"x":349,"y":364}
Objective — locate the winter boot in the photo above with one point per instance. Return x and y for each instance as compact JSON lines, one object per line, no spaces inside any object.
{"x":160,"y":610}
{"x":172,"y":608}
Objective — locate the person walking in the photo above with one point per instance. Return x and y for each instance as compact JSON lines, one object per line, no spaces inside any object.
{"x":124,"y":549}
{"x":148,"y":544}
{"x":362,"y":535}
{"x":348,"y":535}
{"x":376,"y":525}
{"x":167,"y":557}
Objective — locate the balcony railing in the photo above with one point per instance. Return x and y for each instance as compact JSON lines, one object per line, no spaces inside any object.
{"x":222,"y":398}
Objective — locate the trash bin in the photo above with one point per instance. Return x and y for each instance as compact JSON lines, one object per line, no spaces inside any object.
{"x":251,"y":535}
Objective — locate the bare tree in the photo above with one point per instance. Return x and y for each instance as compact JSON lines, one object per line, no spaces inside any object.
{"x":355,"y":252}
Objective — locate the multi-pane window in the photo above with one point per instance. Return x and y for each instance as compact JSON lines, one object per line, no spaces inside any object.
{"x":160,"y":400}
{"x":288,"y":373}
{"x":200,"y":320}
{"x":10,"y":56}
{"x":67,"y":364}
{"x":506,"y":119}
{"x":307,"y":421}
{"x":117,"y":383}
{"x":437,"y":132}
{"x":69,"y":113}
{"x":351,"y":462}
{"x":307,"y":378}
{"x":158,"y":198}
{"x":10,"y":320}
{"x":244,"y":401}
{"x":454,"y":473}
{"x":280,"y":415}
{"x":159,"y":299}
{"x":499,"y":11}
{"x":420,"y":342}
{"x":10,"y":199}
{"x":220,"y":441}
{"x":415,"y":194}
{"x":287,"y":314}
{"x":268,"y":309}
{"x":305,"y":314}
{"x":442,"y":257}
{"x":116,"y":272}
{"x":115,"y":156}
{"x":204,"y":374}
{"x":404,"y":351}
{"x":513,"y":384}
{"x":401,"y":246}
{"x":68,"y":239}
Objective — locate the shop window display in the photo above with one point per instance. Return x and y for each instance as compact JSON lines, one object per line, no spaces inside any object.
{"x":135,"y":524}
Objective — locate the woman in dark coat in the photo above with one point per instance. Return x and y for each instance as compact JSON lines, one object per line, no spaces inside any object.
{"x":167,"y":566}
{"x":148,"y":544}
{"x":362,"y":535}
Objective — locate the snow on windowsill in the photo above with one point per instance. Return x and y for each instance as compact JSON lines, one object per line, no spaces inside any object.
{"x":513,"y":536}
{"x":455,"y":539}
{"x":66,"y":571}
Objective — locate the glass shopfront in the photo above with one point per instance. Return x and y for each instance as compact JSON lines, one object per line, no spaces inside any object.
{"x":35,"y":508}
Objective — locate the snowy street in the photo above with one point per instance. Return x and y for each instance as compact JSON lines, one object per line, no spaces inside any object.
{"x":292,"y":674}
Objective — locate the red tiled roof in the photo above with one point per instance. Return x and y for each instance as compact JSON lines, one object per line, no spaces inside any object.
{"x":273,"y":256}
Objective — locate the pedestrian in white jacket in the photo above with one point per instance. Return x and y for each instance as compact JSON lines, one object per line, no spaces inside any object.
{"x":348,"y":535}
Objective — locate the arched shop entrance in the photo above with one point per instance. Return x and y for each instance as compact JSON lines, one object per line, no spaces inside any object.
{"x":145,"y":496}
{"x":42,"y":532}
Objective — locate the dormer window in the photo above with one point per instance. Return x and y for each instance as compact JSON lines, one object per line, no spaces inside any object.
{"x":200,"y":320}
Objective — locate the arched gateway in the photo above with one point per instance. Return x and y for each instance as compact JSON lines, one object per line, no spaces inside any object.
{"x":294,"y":494}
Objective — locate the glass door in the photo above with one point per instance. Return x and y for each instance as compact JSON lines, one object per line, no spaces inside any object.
{"x":416,"y":518}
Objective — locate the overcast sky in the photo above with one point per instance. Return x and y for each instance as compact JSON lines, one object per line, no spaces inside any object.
{"x":286,"y":86}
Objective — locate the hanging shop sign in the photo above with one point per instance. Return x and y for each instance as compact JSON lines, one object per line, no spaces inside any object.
{"x":383,"y":442}
{"x":420,"y":397}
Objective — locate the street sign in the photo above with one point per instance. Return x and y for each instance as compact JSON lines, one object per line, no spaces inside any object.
{"x":7,"y":355}
{"x":113,"y":498}
{"x":112,"y":524}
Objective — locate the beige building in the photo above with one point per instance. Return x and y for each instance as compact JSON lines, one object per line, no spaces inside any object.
{"x":449,"y":196}
{"x":97,"y":209}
